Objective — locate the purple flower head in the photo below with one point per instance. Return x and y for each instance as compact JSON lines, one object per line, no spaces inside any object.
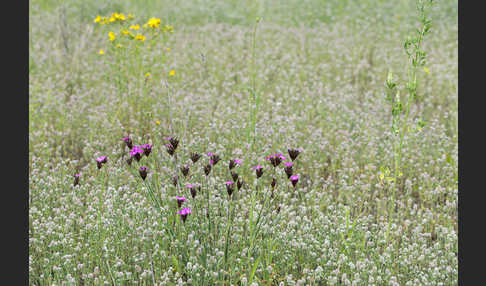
{"x":180,"y":201}
{"x":174,"y":142}
{"x":129,"y":161}
{"x":143,"y":172}
{"x":276,"y":159}
{"x":294,"y":179}
{"x":77,"y":175}
{"x":100,"y":161}
{"x":293,"y":153}
{"x":167,"y":138}
{"x":147,"y":148}
{"x":288,"y":164}
{"x":233,"y":163}
{"x":258,"y":170}
{"x":185,"y":170}
{"x":192,"y":188}
{"x":195,"y":157}
{"x":210,"y":154}
{"x":128,"y":141}
{"x":288,"y":169}
{"x":175,"y":180}
{"x":229,"y":188}
{"x":211,"y":162}
{"x":183,"y":213}
{"x":136,"y":152}
{"x":214,"y":159}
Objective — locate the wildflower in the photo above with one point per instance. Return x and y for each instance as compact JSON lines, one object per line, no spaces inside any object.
{"x":140,"y":38}
{"x":147,"y":148}
{"x":175,"y":180}
{"x":119,"y":45}
{"x":207,"y":169}
{"x":135,"y":27}
{"x":192,"y":188}
{"x":153,"y":22}
{"x":294,"y":179}
{"x":215,"y":159}
{"x":185,"y":170}
{"x":195,"y":157}
{"x":136,"y":152}
{"x":293,"y":153}
{"x":76,"y":179}
{"x":157,"y":122}
{"x":129,"y":161}
{"x":229,"y":187}
{"x":172,"y":73}
{"x":128,"y":141}
{"x":234,"y":176}
{"x":276,"y":159}
{"x":100,"y":161}
{"x":170,"y":149}
{"x":130,"y":16}
{"x":274,"y":182}
{"x":233,"y":163}
{"x":169,"y":28}
{"x":111,"y":35}
{"x":258,"y":170}
{"x":101,"y":52}
{"x":97,"y":19}
{"x":143,"y":172}
{"x":239,"y":184}
{"x":125,"y":32}
{"x":426,"y":70}
{"x":111,"y":19}
{"x":180,"y":201}
{"x":184,"y":213}
{"x":168,"y":50}
{"x":288,"y":169}
{"x":147,"y":75}
{"x":174,"y":142}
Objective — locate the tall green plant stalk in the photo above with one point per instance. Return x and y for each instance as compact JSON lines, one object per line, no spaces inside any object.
{"x":416,"y":59}
{"x":254,"y":98}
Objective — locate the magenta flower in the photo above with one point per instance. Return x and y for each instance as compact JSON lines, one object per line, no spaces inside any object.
{"x":136,"y":153}
{"x":180,"y":201}
{"x":143,"y":172}
{"x":294,"y":179}
{"x":288,"y":169}
{"x":276,"y":159}
{"x":210,"y":154}
{"x":100,"y":161}
{"x":128,"y":141}
{"x":174,"y":142}
{"x":183,"y":213}
{"x":233,"y":163}
{"x":229,"y":187}
{"x":258,"y":170}
{"x":293,"y":153}
{"x":147,"y":148}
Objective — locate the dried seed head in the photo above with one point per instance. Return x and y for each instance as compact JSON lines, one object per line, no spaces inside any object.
{"x":143,"y":172}
{"x":185,"y":170}
{"x":195,"y":157}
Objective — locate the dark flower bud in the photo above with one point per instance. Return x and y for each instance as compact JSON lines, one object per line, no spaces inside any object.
{"x":293,"y":153}
{"x":195,"y":157}
{"x":239,"y":184}
{"x":258,"y":170}
{"x":288,"y":169}
{"x":185,"y":170}
{"x":76,"y":179}
{"x":294,"y":179}
{"x":180,"y":201}
{"x":143,"y":172}
{"x":174,"y":142}
{"x":274,"y":182}
{"x":215,"y":159}
{"x":129,"y":161}
{"x":229,"y":188}
{"x":175,"y":180}
{"x":234,"y":176}
{"x":207,"y":169}
{"x":147,"y":148}
{"x":100,"y":161}
{"x":233,"y":163}
{"x":170,"y":149}
{"x":192,"y":188}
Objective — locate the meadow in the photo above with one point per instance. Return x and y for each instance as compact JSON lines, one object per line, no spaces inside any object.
{"x":243,"y":142}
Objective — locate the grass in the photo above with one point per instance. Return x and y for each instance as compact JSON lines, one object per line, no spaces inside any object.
{"x":319,"y":69}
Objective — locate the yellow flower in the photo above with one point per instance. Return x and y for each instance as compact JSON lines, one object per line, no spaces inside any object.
{"x":145,"y":26}
{"x":140,"y":37}
{"x":104,"y":21}
{"x":168,"y":50}
{"x":135,"y":27}
{"x":130,"y":16}
{"x":157,"y":122}
{"x":153,"y":22}
{"x":121,"y":17}
{"x":101,"y":52}
{"x":169,"y":28}
{"x":147,"y":74}
{"x":172,"y":73}
{"x":97,"y":19}
{"x":119,"y":45}
{"x":125,"y":32}
{"x":112,"y":36}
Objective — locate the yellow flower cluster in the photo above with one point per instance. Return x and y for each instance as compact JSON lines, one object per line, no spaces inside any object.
{"x":102,"y":20}
{"x":153,"y":23}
